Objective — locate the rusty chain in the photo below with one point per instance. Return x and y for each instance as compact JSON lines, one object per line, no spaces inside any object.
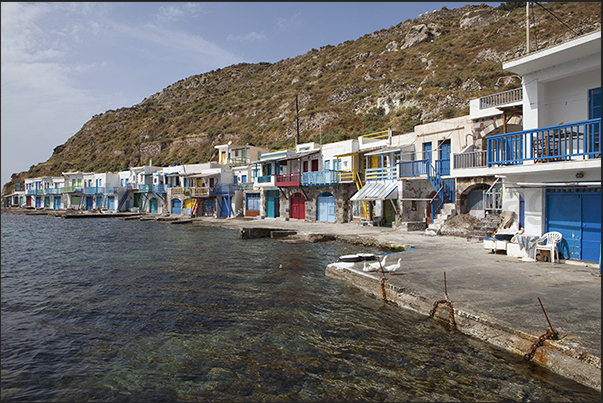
{"x":548,"y":334}
{"x":450,"y":308}
{"x":384,"y":288}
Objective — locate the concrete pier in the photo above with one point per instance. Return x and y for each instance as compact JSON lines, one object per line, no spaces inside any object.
{"x":494,"y":296}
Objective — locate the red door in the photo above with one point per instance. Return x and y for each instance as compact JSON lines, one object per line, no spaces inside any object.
{"x":298,"y":206}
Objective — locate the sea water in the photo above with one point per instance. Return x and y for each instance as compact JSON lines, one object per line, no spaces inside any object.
{"x":103,"y":309}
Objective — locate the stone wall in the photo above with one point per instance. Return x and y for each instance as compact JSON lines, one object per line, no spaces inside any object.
{"x":342,"y":193}
{"x":419,"y":190}
{"x":465,"y":185}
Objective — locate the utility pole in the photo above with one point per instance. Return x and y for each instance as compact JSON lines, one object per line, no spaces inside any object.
{"x":527,"y":27}
{"x":297,"y":119}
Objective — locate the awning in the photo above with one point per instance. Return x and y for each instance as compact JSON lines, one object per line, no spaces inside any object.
{"x":377,"y":191}
{"x":298,"y":155}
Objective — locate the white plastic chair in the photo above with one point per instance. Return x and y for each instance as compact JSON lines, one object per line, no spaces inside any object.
{"x":549,"y":242}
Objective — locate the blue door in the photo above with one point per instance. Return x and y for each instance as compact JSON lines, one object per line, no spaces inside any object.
{"x":326,"y":207}
{"x":577,"y":215}
{"x":427,"y":152}
{"x":272,"y":205}
{"x":89,"y":203}
{"x":38,"y":202}
{"x":57,"y":202}
{"x":111,"y":203}
{"x":443,"y":167}
{"x":99,"y":201}
{"x":153,"y":206}
{"x":176,"y":206}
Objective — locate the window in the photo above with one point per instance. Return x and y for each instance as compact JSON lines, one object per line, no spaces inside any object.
{"x":327,"y":165}
{"x":253,"y":201}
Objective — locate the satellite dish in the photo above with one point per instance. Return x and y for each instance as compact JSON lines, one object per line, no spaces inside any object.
{"x":230,"y":142}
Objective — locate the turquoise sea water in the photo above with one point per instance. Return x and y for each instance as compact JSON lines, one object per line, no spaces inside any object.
{"x":111,"y":310}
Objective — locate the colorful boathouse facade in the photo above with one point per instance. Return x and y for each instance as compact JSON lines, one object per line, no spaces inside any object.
{"x":532,"y":153}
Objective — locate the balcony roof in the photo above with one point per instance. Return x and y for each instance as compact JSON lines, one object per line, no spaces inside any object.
{"x":580,"y":47}
{"x":299,"y":155}
{"x":377,"y":190}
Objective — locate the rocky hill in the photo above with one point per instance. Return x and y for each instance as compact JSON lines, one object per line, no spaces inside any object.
{"x":419,"y":71}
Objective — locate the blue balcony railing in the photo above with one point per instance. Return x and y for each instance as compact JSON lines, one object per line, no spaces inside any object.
{"x":319,"y":178}
{"x":222,"y":189}
{"x":264,"y":179}
{"x":443,"y":167}
{"x":144,"y":188}
{"x":159,"y":188}
{"x":93,"y":190}
{"x":572,"y":141}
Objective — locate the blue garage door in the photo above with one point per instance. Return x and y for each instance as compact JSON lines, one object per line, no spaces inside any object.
{"x":111,"y":203}
{"x":326,"y":207}
{"x":176,"y":206}
{"x":57,"y":202}
{"x":576,"y":213}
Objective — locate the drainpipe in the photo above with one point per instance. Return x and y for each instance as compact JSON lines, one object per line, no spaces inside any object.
{"x":527,"y":27}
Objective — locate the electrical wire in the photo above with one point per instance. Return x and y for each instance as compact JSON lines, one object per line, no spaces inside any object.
{"x":550,"y":12}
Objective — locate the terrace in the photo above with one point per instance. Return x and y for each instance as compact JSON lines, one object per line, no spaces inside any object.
{"x":564,"y":142}
{"x":202,"y":191}
{"x":319,"y":178}
{"x":293,"y":179}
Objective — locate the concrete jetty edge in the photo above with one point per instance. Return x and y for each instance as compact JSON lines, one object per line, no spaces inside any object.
{"x":573,"y":364}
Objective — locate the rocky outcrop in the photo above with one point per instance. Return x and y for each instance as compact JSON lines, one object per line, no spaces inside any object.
{"x":421,"y":33}
{"x":477,"y":19}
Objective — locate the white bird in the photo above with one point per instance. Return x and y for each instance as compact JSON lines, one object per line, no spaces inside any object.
{"x":370,"y":267}
{"x":394,"y":267}
{"x":375,"y":266}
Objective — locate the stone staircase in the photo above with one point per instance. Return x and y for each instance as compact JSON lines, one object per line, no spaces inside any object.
{"x":486,"y":228}
{"x":448,"y":210}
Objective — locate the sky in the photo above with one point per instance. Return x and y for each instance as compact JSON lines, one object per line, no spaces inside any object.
{"x":63,"y":63}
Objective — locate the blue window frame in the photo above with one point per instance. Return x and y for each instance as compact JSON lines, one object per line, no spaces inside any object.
{"x":594,"y":103}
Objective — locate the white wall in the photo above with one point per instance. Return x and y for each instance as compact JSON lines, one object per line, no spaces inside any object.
{"x":567,"y":99}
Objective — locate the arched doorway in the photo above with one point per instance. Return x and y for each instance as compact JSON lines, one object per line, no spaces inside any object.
{"x":475,"y":200}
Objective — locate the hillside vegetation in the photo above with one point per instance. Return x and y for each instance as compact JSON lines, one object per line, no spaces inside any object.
{"x":419,"y":71}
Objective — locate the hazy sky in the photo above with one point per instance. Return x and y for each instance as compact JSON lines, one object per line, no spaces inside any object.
{"x":63,"y":63}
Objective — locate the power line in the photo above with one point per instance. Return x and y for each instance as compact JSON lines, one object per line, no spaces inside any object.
{"x":550,"y":12}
